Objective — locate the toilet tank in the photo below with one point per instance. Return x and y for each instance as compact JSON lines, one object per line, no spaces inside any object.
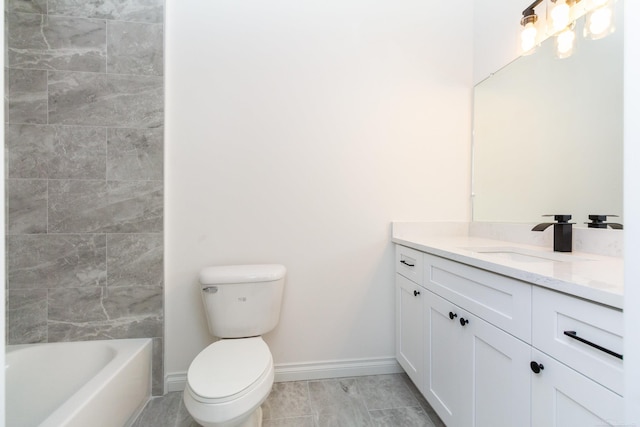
{"x":242,"y":300}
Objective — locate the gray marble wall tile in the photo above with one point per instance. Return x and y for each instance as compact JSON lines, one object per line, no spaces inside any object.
{"x":6,"y":90}
{"x":135,"y":154}
{"x":26,"y":206}
{"x":134,"y":260}
{"x":157,"y":367}
{"x":57,"y":43}
{"x":135,"y":48}
{"x":76,"y":305}
{"x":27,"y":96}
{"x":26,"y":316}
{"x":102,"y":313}
{"x":78,"y":153}
{"x":111,"y":207}
{"x":121,"y":10}
{"x":28,"y":6}
{"x":57,"y":152}
{"x":28,"y":150}
{"x":105,"y":100}
{"x":55,"y":261}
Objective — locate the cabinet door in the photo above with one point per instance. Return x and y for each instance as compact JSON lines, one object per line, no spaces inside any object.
{"x":562,"y":397}
{"x":447,"y":361}
{"x":409,"y":324}
{"x":501,"y":377}
{"x":475,"y":374}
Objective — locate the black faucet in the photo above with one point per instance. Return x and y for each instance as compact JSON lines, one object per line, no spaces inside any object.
{"x":562,"y":232}
{"x":600,"y":221}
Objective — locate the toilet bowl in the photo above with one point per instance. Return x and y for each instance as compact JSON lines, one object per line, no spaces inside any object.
{"x":228,"y":381}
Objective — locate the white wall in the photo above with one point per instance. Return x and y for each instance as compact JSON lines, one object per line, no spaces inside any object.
{"x":496,"y":27}
{"x":296,"y":132}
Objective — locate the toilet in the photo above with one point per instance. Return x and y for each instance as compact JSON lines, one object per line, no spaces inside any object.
{"x":228,"y":381}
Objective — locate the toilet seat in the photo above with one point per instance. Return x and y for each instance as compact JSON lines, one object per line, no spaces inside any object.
{"x":228,"y":369}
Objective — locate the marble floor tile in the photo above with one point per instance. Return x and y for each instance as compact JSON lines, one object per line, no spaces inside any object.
{"x":161,"y":412}
{"x":289,"y":422}
{"x":401,"y":417}
{"x":289,"y":399}
{"x":385,"y":392}
{"x":337,"y":403}
{"x":332,"y":403}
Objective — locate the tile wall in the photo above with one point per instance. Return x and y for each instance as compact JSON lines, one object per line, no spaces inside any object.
{"x":84,"y":168}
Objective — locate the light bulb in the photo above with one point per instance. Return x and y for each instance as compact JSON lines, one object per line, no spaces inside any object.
{"x":599,"y":22}
{"x":528,"y":37}
{"x":565,"y":43}
{"x":560,"y":15}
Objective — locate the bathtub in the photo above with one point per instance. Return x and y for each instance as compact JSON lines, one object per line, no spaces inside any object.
{"x":93,"y":383}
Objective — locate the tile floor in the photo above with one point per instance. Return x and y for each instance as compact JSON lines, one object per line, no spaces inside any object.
{"x":371,"y":401}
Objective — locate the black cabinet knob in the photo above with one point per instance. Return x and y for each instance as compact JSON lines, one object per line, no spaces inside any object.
{"x":463,"y":321}
{"x":416,"y":293}
{"x":452,"y":315}
{"x":536,"y":367}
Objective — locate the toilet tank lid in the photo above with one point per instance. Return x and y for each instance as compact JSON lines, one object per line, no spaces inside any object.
{"x":241,"y":273}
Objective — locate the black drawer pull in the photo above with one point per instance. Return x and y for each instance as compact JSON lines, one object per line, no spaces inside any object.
{"x":407,"y":264}
{"x":574,"y":335}
{"x":416,"y":293}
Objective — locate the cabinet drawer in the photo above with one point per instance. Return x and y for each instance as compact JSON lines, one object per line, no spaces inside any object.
{"x":499,"y":300}
{"x":409,"y":263}
{"x":555,"y":313}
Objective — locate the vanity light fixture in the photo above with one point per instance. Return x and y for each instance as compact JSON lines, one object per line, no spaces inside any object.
{"x":560,"y":22}
{"x":529,"y":33}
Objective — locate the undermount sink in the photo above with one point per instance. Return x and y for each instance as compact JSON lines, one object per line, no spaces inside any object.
{"x":526,"y":255}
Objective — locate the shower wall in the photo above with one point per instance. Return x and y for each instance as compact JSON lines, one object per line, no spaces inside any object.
{"x":84,"y":180}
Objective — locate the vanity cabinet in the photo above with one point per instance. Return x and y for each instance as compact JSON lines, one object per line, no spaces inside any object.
{"x":489,"y":350}
{"x":409,"y":313}
{"x":475,"y":373}
{"x":579,"y":344}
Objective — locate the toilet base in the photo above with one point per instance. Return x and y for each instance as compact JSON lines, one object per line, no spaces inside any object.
{"x":255,"y":420}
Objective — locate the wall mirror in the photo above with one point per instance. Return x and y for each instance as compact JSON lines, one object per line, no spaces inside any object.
{"x":548,"y":134}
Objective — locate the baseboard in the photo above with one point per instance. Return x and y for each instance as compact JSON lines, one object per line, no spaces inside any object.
{"x":311,"y":371}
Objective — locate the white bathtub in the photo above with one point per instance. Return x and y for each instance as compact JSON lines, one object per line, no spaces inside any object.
{"x":94,"y":383}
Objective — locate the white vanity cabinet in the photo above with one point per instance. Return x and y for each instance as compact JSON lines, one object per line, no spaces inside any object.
{"x":409,"y":312}
{"x":489,"y":350}
{"x":476,"y":374}
{"x":579,"y":344}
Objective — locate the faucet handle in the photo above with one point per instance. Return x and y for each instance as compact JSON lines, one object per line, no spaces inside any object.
{"x":560,"y":217}
{"x":600,"y":221}
{"x":600,"y":218}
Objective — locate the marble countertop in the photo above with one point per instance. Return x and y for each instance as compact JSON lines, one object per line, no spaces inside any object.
{"x":593,"y":277}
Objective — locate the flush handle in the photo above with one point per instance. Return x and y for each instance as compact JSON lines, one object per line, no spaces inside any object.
{"x":210,"y":289}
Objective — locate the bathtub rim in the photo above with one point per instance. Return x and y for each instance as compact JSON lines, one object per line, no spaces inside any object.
{"x":126,"y":350}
